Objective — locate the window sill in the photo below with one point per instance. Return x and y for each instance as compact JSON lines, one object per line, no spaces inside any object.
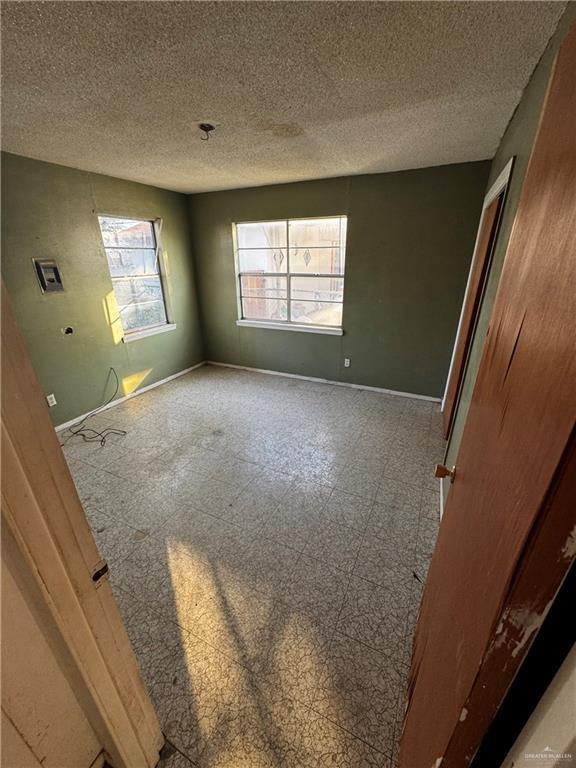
{"x":135,"y":335}
{"x":323,"y":329}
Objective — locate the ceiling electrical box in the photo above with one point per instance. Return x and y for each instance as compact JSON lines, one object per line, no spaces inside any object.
{"x":48,"y":275}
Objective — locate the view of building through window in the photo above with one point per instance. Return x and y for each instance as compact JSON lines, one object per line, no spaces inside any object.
{"x":292,"y":271}
{"x":132,"y":253}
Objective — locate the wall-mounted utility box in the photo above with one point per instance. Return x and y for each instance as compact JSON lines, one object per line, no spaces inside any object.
{"x":48,"y":275}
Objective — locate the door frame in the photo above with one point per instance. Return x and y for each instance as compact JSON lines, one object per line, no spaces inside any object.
{"x":499,"y":187}
{"x":41,"y":508}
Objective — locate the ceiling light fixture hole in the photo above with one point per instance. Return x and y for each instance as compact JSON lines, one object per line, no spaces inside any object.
{"x":206,"y":128}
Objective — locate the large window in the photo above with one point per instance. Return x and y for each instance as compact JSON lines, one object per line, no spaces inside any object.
{"x":291,"y":271}
{"x":133,"y":259}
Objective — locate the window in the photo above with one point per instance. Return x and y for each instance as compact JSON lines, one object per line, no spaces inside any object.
{"x":133,"y":260}
{"x":291,"y":272}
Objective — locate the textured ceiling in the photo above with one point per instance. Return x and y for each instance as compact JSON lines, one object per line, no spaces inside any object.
{"x":297,"y":90}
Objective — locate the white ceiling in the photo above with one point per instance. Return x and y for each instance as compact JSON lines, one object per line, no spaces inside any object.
{"x":298,"y":90}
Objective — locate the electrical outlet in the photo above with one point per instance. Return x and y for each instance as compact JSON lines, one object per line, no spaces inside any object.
{"x":51,"y":400}
{"x":346,"y":362}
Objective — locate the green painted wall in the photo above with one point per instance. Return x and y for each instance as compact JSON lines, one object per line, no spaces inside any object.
{"x":49,"y":211}
{"x":410,"y":240}
{"x":410,"y":237}
{"x":517,"y":141}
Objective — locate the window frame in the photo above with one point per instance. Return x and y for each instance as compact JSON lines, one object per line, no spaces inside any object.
{"x":288,"y":324}
{"x":147,"y":330}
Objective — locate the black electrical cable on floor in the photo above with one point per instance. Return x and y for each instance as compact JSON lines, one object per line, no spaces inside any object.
{"x":88,"y":434}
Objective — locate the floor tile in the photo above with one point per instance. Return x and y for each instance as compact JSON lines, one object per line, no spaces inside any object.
{"x":316,"y":589}
{"x":157,"y":641}
{"x":361,"y":692}
{"x":268,"y":539}
{"x":323,"y":744}
{"x":236,"y":620}
{"x":195,"y":532}
{"x":145,"y":572}
{"x":322,"y":471}
{"x":266,"y":729}
{"x":305,"y":497}
{"x":396,"y":521}
{"x":197,"y":701}
{"x":334,"y":545}
{"x":297,"y":663}
{"x":381,"y":564}
{"x":422,"y":562}
{"x":249,"y":509}
{"x":427,"y":535}
{"x":271,"y":484}
{"x":354,"y":479}
{"x":430,"y":503}
{"x":123,"y":500}
{"x":235,"y":471}
{"x":132,"y":460}
{"x":147,"y":509}
{"x":348,"y":509}
{"x":375,"y":616}
{"x":213,"y":496}
{"x":394,"y":493}
{"x":290,"y":527}
{"x":95,"y":454}
{"x":176,"y":760}
{"x":115,"y":539}
{"x":265,"y":565}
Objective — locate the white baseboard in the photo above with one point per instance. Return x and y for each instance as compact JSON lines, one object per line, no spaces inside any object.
{"x":159,"y":383}
{"x":327,"y":381}
{"x":119,"y":400}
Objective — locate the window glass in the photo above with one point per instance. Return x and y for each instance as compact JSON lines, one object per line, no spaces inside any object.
{"x":318,"y":288}
{"x":292,"y":271}
{"x":263,"y":234}
{"x":265,"y":309}
{"x":132,"y":254}
{"x":314,"y":261}
{"x":262,"y":260}
{"x":126,"y":233}
{"x":263,"y":287}
{"x":316,"y":313}
{"x":131,"y":261}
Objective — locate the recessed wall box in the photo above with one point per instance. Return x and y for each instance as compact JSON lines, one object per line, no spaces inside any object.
{"x":48,"y":275}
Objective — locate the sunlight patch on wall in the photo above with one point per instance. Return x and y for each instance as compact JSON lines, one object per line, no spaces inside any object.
{"x":133,"y":382}
{"x":112,"y":315}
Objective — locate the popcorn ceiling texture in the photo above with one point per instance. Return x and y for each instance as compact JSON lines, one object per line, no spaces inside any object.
{"x":297,"y":91}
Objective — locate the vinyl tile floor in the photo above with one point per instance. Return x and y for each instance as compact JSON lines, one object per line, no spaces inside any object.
{"x":267,"y":539}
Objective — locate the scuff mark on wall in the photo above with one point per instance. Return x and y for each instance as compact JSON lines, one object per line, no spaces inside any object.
{"x":523,"y":623}
{"x":500,"y":638}
{"x":569,"y":548}
{"x":463,"y":714}
{"x":531,"y":622}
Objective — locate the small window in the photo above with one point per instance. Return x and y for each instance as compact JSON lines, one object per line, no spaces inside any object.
{"x":291,"y":271}
{"x":133,"y":260}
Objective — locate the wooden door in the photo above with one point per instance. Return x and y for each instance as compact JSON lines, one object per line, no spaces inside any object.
{"x":39,"y":708}
{"x":55,"y":562}
{"x":480,"y":260}
{"x":508,"y":535}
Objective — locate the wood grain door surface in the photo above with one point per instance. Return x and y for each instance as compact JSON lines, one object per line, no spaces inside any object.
{"x":508,"y":534}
